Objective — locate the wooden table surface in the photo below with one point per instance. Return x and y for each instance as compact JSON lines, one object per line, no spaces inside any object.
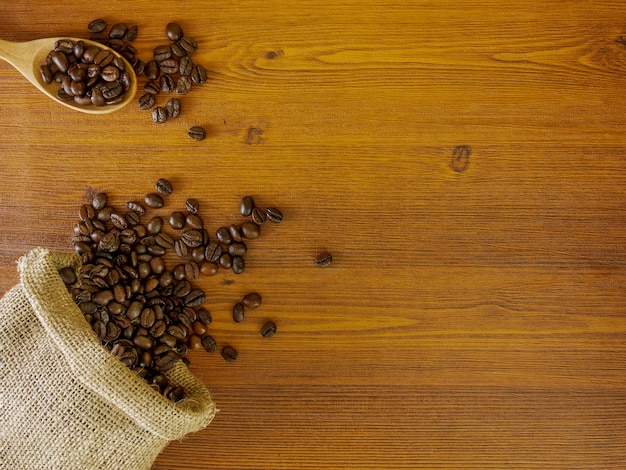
{"x":463,"y":161}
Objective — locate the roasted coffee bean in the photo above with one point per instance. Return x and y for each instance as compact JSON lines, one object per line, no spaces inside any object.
{"x":235,"y":233}
{"x":208,"y":268}
{"x":119,"y":221}
{"x":185,"y":66}
{"x":99,"y":201}
{"x":153,"y":200}
{"x":238,"y":312}
{"x":135,"y":206}
{"x":252,"y":300}
{"x":208,"y":343}
{"x":173,"y":107}
{"x":258,"y":216}
{"x":223,"y":235}
{"x":159,"y":115}
{"x":143,"y":342}
{"x":161,"y":53}
{"x":46,"y":73}
{"x":181,"y":248}
{"x":238,"y":264}
{"x":146,"y":101}
{"x":199,"y":74}
{"x":60,"y":59}
{"x":250,"y":230}
{"x":165,"y":363}
{"x":229,"y":354}
{"x":152,"y":70}
{"x":194,"y":342}
{"x":131,"y":34}
{"x":155,"y":225}
{"x":118,"y":31}
{"x":68,"y":275}
{"x":197,"y":133}
{"x":237,"y":249}
{"x":183,"y":85}
{"x":103,"y":58}
{"x":166,"y":83}
{"x":86,"y":211}
{"x":323,"y":260}
{"x":213,"y":252}
{"x":168,"y":67}
{"x":194,"y":221}
{"x":246,"y":206}
{"x":192,"y":270}
{"x":177,"y":50}
{"x":163,"y":186}
{"x":111,"y":90}
{"x":274,"y":215}
{"x":197,"y":254}
{"x":195,"y":298}
{"x":204,"y":316}
{"x":188,"y":44}
{"x":226,"y":261}
{"x":164,"y":240}
{"x":268,"y":330}
{"x":173,"y":31}
{"x":192,"y":205}
{"x":152,"y":87}
{"x":132,"y":218}
{"x":147,"y":317}
{"x":97,"y":26}
{"x":191,"y":237}
{"x":177,"y":220}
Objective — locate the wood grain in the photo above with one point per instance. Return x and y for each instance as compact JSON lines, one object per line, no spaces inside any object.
{"x":463,"y":161}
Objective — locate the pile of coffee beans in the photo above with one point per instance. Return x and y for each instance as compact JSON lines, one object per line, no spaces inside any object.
{"x":145,"y":313}
{"x":88,"y":75}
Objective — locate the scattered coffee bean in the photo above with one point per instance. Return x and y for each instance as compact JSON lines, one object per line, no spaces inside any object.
{"x":238,"y":312}
{"x":274,"y":214}
{"x":268,"y":330}
{"x":163,"y":186}
{"x":246,"y":206}
{"x":159,"y":115}
{"x":252,"y":300}
{"x":197,"y":133}
{"x":173,"y":31}
{"x":208,"y":343}
{"x":229,"y":354}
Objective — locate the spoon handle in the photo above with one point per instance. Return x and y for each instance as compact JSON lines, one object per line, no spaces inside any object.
{"x":20,"y":55}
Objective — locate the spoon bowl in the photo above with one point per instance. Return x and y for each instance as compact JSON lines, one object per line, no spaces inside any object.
{"x":28,"y":57}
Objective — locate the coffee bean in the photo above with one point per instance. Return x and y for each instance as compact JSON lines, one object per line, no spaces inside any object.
{"x":195,"y":298}
{"x":274,"y":215}
{"x":194,"y":221}
{"x":164,"y":240}
{"x":163,"y":186}
{"x":159,"y":115}
{"x":268,"y":329}
{"x":323,"y":260}
{"x":152,"y":70}
{"x":252,"y":300}
{"x":167,"y":68}
{"x":152,"y":87}
{"x":153,"y":200}
{"x":208,"y":268}
{"x":235,"y":233}
{"x":177,"y":220}
{"x":185,"y":66}
{"x":146,"y":101}
{"x":188,"y":44}
{"x":118,"y":31}
{"x":199,"y":74}
{"x":192,"y":205}
{"x":183,"y":85}
{"x":246,"y":206}
{"x":161,"y":53}
{"x":97,"y":26}
{"x":237,"y":249}
{"x":250,"y":230}
{"x":173,"y":31}
{"x":68,"y":275}
{"x":166,"y":83}
{"x":238,"y":312}
{"x":192,"y":270}
{"x":229,"y":354}
{"x":197,"y":133}
{"x":258,"y":216}
{"x":226,"y":261}
{"x":208,"y":343}
{"x":191,"y":238}
{"x":238,"y":264}
{"x":223,"y":235}
{"x":135,"y":206}
{"x":173,"y":107}
{"x":204,"y":316}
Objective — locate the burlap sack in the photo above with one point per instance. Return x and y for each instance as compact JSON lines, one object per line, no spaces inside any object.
{"x":65,"y":401}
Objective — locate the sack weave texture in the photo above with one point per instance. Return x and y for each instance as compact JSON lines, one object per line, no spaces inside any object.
{"x":65,"y":401}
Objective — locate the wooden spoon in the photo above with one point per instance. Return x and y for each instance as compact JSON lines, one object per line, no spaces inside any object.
{"x":28,"y":57}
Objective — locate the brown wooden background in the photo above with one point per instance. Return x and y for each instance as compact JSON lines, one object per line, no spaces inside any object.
{"x":462,"y":160}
